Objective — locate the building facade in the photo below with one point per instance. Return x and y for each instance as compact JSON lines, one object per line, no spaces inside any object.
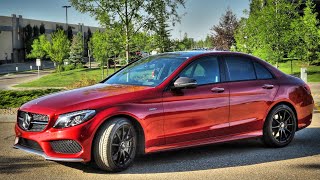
{"x":12,"y":45}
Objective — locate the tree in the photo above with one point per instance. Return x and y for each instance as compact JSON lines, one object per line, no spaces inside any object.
{"x":223,"y":33}
{"x":69,"y":33}
{"x":76,"y":49}
{"x":28,"y":38}
{"x":58,"y":49}
{"x":42,"y":29}
{"x":38,"y":47}
{"x":59,"y":27}
{"x":35,"y":32}
{"x":267,"y":31}
{"x":306,"y":35}
{"x":131,"y":15}
{"x":208,"y":42}
{"x":99,"y":47}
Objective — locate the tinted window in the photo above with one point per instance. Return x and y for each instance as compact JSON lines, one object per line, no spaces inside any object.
{"x":204,"y":70}
{"x":240,"y":69}
{"x":262,"y":72}
{"x":150,"y":71}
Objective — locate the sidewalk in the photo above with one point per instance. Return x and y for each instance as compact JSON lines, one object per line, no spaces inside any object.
{"x":9,"y":80}
{"x":315,"y":90}
{"x":11,"y":68}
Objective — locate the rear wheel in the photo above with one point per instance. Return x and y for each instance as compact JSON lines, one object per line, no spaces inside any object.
{"x":115,"y":145}
{"x":280,"y":126}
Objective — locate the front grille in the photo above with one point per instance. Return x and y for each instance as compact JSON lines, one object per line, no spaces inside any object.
{"x":65,"y":146}
{"x":31,"y":121}
{"x":29,"y":144}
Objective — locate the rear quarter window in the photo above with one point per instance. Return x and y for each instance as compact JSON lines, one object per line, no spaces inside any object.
{"x":262,"y":72}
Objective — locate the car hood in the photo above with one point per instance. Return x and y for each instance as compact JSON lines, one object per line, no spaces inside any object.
{"x":83,"y":98}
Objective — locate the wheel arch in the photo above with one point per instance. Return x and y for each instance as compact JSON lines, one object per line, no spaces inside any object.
{"x":283,"y":103}
{"x":136,"y":124}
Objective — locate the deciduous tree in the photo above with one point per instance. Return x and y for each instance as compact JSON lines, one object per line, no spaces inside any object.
{"x":58,"y":49}
{"x":132,"y":15}
{"x":38,"y":47}
{"x":306,"y":35}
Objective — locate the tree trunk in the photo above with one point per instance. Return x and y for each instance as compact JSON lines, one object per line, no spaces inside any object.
{"x":127,"y":32}
{"x":102,"y":69}
{"x":107,"y":67}
{"x":114,"y":63}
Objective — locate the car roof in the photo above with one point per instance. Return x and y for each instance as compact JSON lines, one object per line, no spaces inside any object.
{"x":189,"y":54}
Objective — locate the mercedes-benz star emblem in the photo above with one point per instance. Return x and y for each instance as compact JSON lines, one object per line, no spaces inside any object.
{"x":26,"y":121}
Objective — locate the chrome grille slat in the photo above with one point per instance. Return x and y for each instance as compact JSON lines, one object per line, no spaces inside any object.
{"x":38,"y":122}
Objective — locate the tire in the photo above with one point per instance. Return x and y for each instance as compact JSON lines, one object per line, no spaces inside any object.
{"x":280,"y":127}
{"x":115,"y":145}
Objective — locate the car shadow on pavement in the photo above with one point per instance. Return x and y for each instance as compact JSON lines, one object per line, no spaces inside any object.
{"x":14,"y":165}
{"x":232,"y":154}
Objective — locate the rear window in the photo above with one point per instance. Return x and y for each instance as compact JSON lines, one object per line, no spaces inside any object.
{"x":240,"y":69}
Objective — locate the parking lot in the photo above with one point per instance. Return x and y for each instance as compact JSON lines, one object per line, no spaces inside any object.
{"x":247,"y":159}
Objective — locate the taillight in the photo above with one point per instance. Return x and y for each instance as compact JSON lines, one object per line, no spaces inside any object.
{"x":307,"y":88}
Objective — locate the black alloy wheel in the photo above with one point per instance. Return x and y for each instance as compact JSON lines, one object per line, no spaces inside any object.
{"x":280,"y":126}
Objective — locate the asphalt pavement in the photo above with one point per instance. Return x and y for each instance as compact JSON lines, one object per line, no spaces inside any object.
{"x":9,"y":80}
{"x":246,"y":159}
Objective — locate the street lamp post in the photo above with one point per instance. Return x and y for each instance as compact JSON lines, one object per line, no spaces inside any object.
{"x":66,"y":15}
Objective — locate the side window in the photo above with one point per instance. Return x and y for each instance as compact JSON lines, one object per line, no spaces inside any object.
{"x":240,"y":68}
{"x":262,"y":72}
{"x":204,"y":70}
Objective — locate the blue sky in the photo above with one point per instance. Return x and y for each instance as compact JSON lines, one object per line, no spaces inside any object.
{"x":200,"y":15}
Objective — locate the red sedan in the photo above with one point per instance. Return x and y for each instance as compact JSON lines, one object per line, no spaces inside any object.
{"x":164,"y":102}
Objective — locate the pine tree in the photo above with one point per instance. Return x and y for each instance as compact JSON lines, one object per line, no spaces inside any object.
{"x":76,"y":49}
{"x":42,"y":29}
{"x":223,"y":33}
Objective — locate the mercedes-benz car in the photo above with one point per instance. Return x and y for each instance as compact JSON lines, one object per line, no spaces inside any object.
{"x":165,"y":102}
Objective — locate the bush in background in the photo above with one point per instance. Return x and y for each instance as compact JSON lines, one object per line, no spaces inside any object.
{"x":12,"y":99}
{"x":85,"y":81}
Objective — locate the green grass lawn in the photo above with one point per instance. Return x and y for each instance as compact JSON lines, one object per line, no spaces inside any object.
{"x":313,"y":71}
{"x":66,"y":78}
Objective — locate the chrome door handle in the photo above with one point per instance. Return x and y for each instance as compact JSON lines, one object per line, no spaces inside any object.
{"x":217,"y":90}
{"x":267,"y":86}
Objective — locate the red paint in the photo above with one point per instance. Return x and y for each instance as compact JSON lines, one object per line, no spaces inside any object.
{"x":172,"y":120}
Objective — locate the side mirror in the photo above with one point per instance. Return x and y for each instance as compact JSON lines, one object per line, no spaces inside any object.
{"x":185,"y":82}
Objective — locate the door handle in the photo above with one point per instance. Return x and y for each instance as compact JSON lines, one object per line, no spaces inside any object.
{"x":267,"y":86}
{"x":217,"y":90}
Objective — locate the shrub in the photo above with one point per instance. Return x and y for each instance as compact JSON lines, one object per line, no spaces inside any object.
{"x":12,"y":99}
{"x":85,"y":81}
{"x":69,"y":67}
{"x":79,"y":66}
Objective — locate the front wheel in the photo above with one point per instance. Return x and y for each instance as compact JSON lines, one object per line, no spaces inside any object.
{"x":115,"y":145}
{"x":280,"y":126}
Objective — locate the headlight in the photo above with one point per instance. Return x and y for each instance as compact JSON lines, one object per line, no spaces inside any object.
{"x":74,"y":118}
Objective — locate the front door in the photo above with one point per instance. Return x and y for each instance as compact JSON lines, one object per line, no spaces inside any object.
{"x":202,"y":112}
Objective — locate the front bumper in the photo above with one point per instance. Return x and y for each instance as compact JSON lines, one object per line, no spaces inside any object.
{"x":82,"y":135}
{"x":39,"y":153}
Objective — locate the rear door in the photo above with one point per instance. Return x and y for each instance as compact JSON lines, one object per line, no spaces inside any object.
{"x":252,"y":90}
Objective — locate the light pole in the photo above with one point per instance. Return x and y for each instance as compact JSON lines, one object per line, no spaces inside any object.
{"x":66,"y":15}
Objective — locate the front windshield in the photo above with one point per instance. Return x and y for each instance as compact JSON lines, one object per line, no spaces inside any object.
{"x":150,"y":71}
